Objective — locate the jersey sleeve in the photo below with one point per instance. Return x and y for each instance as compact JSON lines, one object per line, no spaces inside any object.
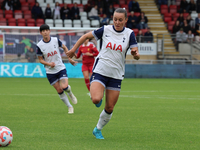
{"x":59,"y":43}
{"x":98,"y":33}
{"x":79,"y":52}
{"x":94,"y":50}
{"x":39,"y":52}
{"x":133,"y":41}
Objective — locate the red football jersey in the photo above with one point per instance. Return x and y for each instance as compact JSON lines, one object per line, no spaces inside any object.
{"x":83,"y":49}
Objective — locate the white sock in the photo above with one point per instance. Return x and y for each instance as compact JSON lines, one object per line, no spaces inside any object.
{"x":68,"y":90}
{"x":104,"y":118}
{"x":65,"y":99}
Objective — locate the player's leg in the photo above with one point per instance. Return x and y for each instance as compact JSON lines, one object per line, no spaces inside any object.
{"x":86,"y":78}
{"x":112,"y":94}
{"x":85,"y":71}
{"x":65,"y":86}
{"x":63,"y":97}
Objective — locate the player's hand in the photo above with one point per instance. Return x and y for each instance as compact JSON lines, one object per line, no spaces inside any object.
{"x":70,"y":53}
{"x":135,"y":54}
{"x":74,"y":63}
{"x":52,"y":64}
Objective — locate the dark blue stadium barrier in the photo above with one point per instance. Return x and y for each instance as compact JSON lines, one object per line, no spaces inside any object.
{"x":162,"y":71}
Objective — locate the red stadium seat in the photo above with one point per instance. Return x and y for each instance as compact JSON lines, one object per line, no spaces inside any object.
{"x":185,"y":15}
{"x":12,"y":24}
{"x":175,"y":16}
{"x":18,"y":14}
{"x":163,"y":11}
{"x":70,"y":5}
{"x":40,"y":21}
{"x":137,"y":14}
{"x":25,"y":6}
{"x":22,"y":1}
{"x":144,"y":31}
{"x":167,"y":15}
{"x":121,"y":2}
{"x":30,"y":21}
{"x":38,"y":24}
{"x":124,"y":6}
{"x":8,"y":12}
{"x":172,"y":8}
{"x":3,"y":22}
{"x":31,"y":24}
{"x":27,"y":14}
{"x":1,"y":16}
{"x":170,"y":25}
{"x":21,"y":24}
{"x":21,"y":20}
{"x":12,"y":20}
{"x":116,"y":6}
{"x":135,"y":31}
{"x":163,"y":7}
{"x":8,"y":16}
{"x":167,"y":19}
{"x":1,"y":11}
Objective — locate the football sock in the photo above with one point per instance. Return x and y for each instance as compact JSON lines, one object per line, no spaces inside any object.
{"x":87,"y":83}
{"x":65,"y":99}
{"x":68,"y":89}
{"x":103,"y":119}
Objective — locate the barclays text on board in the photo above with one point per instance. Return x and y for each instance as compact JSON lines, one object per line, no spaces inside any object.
{"x":35,"y":70}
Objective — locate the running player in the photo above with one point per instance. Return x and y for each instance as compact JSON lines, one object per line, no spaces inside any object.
{"x":49,"y":55}
{"x":88,"y":51}
{"x":109,"y":66}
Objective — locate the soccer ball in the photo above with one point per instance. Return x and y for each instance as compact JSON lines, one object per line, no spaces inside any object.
{"x":6,"y":136}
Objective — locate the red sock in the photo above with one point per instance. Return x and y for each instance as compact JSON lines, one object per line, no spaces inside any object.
{"x":87,"y":82}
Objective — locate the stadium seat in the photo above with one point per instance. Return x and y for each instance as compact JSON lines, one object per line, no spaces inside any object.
{"x":170,"y":25}
{"x":167,"y":15}
{"x":111,"y":22}
{"x":22,"y":1}
{"x":163,"y":11}
{"x":1,"y":16}
{"x":115,"y":6}
{"x":12,"y":24}
{"x":175,"y":16}
{"x":68,"y":23}
{"x":144,"y":31}
{"x":8,"y":12}
{"x":194,"y":15}
{"x":124,"y":6}
{"x":84,"y":18}
{"x":81,"y":7}
{"x":18,"y":14}
{"x":137,"y":14}
{"x":1,"y":11}
{"x":8,"y":16}
{"x":70,"y":6}
{"x":86,"y":23}
{"x":167,"y":19}
{"x":172,"y":9}
{"x":27,"y":14}
{"x":58,"y":23}
{"x":31,"y":24}
{"x":135,"y":31}
{"x":77,"y":23}
{"x":68,"y":1}
{"x":185,"y":15}
{"x":84,"y":2}
{"x":24,"y":6}
{"x":21,"y":20}
{"x":40,"y":21}
{"x":122,"y":2}
{"x":3,"y":22}
{"x":21,"y":24}
{"x":59,"y":1}
{"x":95,"y":23}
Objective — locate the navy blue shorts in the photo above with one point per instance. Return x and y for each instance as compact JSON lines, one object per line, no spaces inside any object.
{"x":53,"y":78}
{"x":107,"y":82}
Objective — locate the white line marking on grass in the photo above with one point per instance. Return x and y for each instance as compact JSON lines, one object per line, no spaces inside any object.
{"x":30,"y":94}
{"x":159,"y":91}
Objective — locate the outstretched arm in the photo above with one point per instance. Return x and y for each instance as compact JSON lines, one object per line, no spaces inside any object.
{"x":135,"y":53}
{"x":81,"y":40}
{"x":70,"y":60}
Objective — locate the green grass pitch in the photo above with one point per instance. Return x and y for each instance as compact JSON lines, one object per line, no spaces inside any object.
{"x":151,"y":114}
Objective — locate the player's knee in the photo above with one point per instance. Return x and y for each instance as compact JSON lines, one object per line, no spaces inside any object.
{"x":95,"y":100}
{"x":109,"y":109}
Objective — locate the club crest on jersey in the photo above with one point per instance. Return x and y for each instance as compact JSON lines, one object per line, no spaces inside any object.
{"x":114,"y":46}
{"x":52,"y":54}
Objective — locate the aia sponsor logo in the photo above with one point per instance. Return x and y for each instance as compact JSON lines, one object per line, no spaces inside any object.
{"x":52,"y":54}
{"x":114,"y":46}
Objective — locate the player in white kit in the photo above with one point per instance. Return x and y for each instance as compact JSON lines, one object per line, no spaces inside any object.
{"x":49,"y":55}
{"x":109,"y":66}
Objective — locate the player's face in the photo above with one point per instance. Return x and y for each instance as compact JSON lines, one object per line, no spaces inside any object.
{"x":119,"y":21}
{"x":45,"y":34}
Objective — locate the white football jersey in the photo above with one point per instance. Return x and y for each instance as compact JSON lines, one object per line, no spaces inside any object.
{"x":114,"y":45}
{"x":50,"y":52}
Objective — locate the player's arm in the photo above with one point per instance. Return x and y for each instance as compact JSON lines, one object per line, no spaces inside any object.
{"x":135,"y":53}
{"x":70,"y":60}
{"x":95,"y":51}
{"x":79,"y":53}
{"x":80,"y":41}
{"x":42,"y":61}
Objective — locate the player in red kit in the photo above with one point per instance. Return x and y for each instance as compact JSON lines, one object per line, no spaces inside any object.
{"x":88,"y":51}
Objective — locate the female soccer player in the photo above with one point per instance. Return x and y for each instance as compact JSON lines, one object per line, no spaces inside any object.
{"x":49,"y":55}
{"x":88,"y":51}
{"x":109,"y":66}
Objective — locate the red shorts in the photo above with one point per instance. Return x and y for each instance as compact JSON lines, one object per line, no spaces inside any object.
{"x":87,"y":67}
